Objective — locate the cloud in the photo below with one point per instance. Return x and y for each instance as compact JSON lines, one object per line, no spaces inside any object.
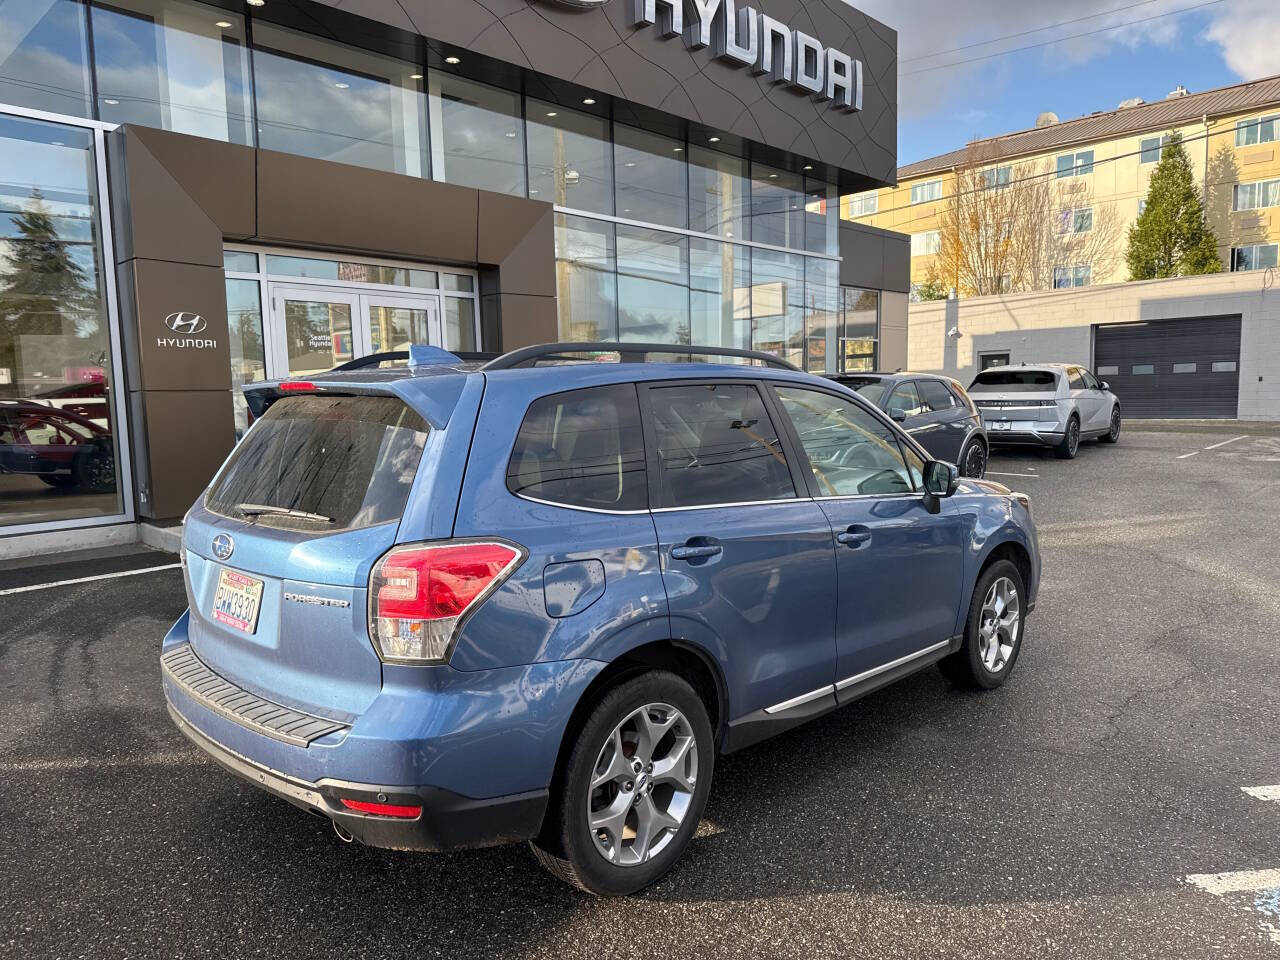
{"x":1246,"y":32}
{"x":930,"y":31}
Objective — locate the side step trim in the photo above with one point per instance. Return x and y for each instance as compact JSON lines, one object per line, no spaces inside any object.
{"x":886,"y":667}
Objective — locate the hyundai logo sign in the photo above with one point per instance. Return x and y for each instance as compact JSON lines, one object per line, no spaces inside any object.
{"x":188,"y":323}
{"x":223,"y":545}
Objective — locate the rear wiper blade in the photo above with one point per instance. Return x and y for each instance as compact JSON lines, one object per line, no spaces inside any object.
{"x":259,"y":509}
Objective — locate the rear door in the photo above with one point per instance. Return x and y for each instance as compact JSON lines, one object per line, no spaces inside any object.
{"x":948,"y":421}
{"x":899,"y":567}
{"x":1088,"y":402}
{"x":746,"y":555}
{"x":279,"y":550}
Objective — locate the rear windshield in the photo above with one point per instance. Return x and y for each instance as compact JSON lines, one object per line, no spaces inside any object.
{"x":1013,"y":381}
{"x":870,"y":387}
{"x":323,"y":464}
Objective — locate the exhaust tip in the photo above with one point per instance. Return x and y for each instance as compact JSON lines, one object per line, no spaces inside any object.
{"x":343,"y":834}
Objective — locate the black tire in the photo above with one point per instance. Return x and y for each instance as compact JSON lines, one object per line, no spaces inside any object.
{"x":566,"y":847}
{"x":1112,"y":435}
{"x":976,"y":451}
{"x":1070,"y":445}
{"x":95,"y":471}
{"x":966,"y":668}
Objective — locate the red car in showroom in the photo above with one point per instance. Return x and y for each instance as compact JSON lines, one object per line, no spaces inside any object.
{"x":61,"y":448}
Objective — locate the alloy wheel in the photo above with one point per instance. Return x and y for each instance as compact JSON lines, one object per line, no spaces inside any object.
{"x":975,"y":461}
{"x":1115,"y":424}
{"x":1073,"y":436}
{"x":999,"y":623}
{"x":642,"y":784}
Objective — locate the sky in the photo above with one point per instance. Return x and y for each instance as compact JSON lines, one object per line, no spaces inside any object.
{"x":1114,"y":50}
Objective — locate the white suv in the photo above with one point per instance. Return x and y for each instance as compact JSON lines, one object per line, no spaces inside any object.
{"x":1051,"y":405}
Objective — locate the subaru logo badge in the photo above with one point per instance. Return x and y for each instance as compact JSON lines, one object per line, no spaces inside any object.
{"x":222,"y":546}
{"x":188,"y":323}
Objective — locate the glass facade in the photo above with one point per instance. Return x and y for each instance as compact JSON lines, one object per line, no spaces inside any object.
{"x":59,"y":454}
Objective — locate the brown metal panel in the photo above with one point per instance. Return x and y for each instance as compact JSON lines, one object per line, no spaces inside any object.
{"x":333,"y":206}
{"x":524,"y":320}
{"x":189,"y":434}
{"x":162,"y":221}
{"x":219,"y":177}
{"x":195,"y":355}
{"x":518,"y":236}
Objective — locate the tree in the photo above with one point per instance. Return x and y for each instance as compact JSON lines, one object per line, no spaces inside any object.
{"x":932,"y":289}
{"x":1171,"y":238}
{"x":1007,"y":227}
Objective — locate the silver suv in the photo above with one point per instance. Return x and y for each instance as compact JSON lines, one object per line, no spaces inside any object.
{"x":1052,"y":405}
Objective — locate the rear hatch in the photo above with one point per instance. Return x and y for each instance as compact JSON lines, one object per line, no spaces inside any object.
{"x":1009,"y":395}
{"x":279,"y":550}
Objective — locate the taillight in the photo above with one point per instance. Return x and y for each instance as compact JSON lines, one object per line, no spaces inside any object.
{"x":418,"y":594}
{"x":293,"y":386}
{"x":383,"y":809}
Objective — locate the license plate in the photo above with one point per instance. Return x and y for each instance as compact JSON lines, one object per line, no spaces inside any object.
{"x":237,"y":600}
{"x":1000,"y":425}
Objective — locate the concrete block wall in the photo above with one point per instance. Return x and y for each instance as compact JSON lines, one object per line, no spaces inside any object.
{"x":1056,"y":326}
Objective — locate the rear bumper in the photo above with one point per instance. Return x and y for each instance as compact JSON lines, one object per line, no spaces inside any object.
{"x":449,"y":821}
{"x":1027,"y":437}
{"x":475,"y":749}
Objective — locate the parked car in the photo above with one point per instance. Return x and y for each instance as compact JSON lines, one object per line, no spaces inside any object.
{"x":1050,"y":405}
{"x":455,"y":605}
{"x":935,"y":410}
{"x":62,"y":449}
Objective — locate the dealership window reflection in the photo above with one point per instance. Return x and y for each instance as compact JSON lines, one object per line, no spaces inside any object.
{"x":44,"y":56}
{"x":652,"y":182}
{"x":586,"y":279}
{"x":244,"y":336}
{"x":172,"y":64}
{"x":317,"y":98}
{"x":570,"y":157}
{"x":477,"y":135}
{"x":653,"y":286}
{"x":58,"y":452}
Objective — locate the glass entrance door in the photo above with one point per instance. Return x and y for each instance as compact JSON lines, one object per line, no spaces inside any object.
{"x":314,"y":329}
{"x":397,"y":322}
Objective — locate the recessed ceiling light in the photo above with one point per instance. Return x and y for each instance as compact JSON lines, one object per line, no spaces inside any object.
{"x":511,"y":134}
{"x":552,"y":113}
{"x":532,"y":192}
{"x":415,"y":76}
{"x":257,"y":3}
{"x":114,"y":103}
{"x":773,"y":176}
{"x":628,"y":210}
{"x":713,"y":139}
{"x":628,"y":164}
{"x":590,"y":101}
{"x":342,"y":86}
{"x":808,"y":166}
{"x":452,"y":61}
{"x":678,"y":150}
{"x":223,"y":24}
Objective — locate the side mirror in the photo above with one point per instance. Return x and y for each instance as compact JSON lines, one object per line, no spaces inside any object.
{"x":898,"y":416}
{"x":1105,"y":385}
{"x":941,"y":480}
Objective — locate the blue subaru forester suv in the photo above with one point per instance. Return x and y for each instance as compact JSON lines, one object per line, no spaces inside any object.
{"x":453,"y":605}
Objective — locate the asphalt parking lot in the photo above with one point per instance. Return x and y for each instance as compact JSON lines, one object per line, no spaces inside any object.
{"x":1103,"y":803}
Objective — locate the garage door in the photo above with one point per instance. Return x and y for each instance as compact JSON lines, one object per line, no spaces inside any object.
{"x":1172,"y":369}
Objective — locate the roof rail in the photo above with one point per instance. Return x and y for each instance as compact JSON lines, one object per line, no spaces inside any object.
{"x":374,"y":359}
{"x":627,"y":353}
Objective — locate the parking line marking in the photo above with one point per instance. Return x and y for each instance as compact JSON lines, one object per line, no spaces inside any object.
{"x":1263,"y":793}
{"x":1193,"y":453}
{"x":100,"y":576}
{"x":1225,"y":442}
{"x":1238,"y":881}
{"x":1033,"y":476}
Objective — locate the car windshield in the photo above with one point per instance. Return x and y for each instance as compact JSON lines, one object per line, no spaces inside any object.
{"x":870,"y":387}
{"x":1013,"y":381}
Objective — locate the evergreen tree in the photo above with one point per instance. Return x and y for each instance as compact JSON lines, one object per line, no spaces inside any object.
{"x":1171,"y":238}
{"x":40,"y":283}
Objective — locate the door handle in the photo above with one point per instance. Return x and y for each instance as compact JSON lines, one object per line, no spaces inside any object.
{"x":696,"y":551}
{"x":856,"y":536}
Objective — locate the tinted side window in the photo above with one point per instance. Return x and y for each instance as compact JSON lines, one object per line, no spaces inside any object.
{"x":935,"y":395}
{"x":583,"y":448}
{"x":850,"y":451}
{"x":1076,"y":378}
{"x":716,"y":444}
{"x":1091,"y":381}
{"x":904,"y":401}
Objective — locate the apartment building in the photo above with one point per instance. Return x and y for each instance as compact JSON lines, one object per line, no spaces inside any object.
{"x":1100,"y":166}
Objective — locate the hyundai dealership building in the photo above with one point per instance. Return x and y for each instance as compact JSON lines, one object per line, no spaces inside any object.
{"x":197,"y":195}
